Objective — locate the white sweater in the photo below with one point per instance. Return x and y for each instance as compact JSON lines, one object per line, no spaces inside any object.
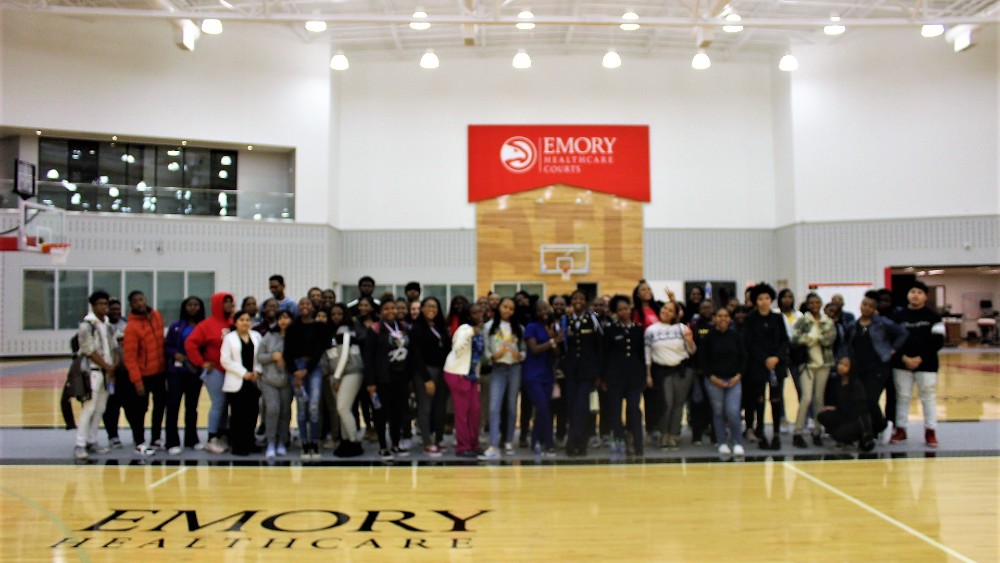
{"x":232,"y":360}
{"x":665,"y":344}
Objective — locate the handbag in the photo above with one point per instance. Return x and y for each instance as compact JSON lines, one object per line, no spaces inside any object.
{"x":78,"y":382}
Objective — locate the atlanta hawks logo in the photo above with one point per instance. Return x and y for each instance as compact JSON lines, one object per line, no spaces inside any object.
{"x":518,"y":154}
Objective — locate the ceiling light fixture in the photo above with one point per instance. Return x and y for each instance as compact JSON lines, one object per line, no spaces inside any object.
{"x":734,"y":18}
{"x":700,"y":61}
{"x":521,"y":60}
{"x":525,"y":25}
{"x":226,"y":4}
{"x":835,"y":28}
{"x":211,"y":26}
{"x":788,"y":63}
{"x":931,"y":30}
{"x":316,"y":26}
{"x":420,"y":14}
{"x":429,"y":60}
{"x":611,"y":59}
{"x":339,"y":61}
{"x":630,"y":16}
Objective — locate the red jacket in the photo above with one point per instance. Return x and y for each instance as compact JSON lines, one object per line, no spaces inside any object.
{"x":205,"y":342}
{"x":143,"y":346}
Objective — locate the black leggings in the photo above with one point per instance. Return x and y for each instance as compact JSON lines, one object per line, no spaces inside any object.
{"x":394,"y":396}
{"x":753,"y":405}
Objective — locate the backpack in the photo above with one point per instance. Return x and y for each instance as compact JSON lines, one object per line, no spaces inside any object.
{"x":77,"y":382}
{"x":74,"y":343}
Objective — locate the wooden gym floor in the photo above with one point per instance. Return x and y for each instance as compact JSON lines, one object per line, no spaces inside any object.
{"x":915,"y":504}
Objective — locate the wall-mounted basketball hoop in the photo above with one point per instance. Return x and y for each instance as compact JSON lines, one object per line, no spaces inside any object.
{"x":564,"y":259}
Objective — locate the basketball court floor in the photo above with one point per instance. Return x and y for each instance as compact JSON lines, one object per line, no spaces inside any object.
{"x":898,"y":502}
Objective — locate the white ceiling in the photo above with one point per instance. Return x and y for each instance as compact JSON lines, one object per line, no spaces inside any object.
{"x":380,"y":27}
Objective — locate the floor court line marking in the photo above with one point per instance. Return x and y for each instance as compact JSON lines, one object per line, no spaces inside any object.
{"x":52,"y":518}
{"x":880,"y":514}
{"x":169,"y":477}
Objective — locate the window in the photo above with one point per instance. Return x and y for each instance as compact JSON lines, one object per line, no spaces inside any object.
{"x":38,"y":304}
{"x":73,"y":294}
{"x":57,"y":299}
{"x":108,"y":280}
{"x":169,"y":295}
{"x":508,"y":289}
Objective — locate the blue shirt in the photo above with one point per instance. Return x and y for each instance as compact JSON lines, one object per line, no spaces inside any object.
{"x":537,"y":367}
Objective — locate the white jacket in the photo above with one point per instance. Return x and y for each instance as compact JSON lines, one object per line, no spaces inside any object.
{"x":459,"y":360}
{"x":232,"y":360}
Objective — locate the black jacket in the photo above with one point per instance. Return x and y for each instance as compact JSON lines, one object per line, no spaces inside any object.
{"x":722,"y":354}
{"x":385,"y":355}
{"x":584,"y":346}
{"x":765,"y":336}
{"x":624,"y":356}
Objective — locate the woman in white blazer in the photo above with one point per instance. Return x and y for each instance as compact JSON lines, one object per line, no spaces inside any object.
{"x":239,"y":360}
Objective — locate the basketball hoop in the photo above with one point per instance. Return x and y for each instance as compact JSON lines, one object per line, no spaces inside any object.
{"x":58,"y":250}
{"x":564,"y":268}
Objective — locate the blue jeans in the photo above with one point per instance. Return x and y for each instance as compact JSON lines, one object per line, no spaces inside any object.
{"x":307,"y":408}
{"x":218,"y":417}
{"x":726,"y":411}
{"x":505,"y":377}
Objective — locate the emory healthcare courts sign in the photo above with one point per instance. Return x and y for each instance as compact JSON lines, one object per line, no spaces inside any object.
{"x":507,"y":159}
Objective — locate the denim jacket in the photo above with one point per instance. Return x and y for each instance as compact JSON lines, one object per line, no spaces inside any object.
{"x":882,"y":330}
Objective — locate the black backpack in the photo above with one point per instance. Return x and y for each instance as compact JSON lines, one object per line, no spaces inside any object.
{"x":74,"y":343}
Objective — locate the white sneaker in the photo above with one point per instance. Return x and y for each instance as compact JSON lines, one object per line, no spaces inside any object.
{"x":738,"y":450}
{"x":405,"y":444}
{"x":144,"y":451}
{"x":491,"y":454}
{"x":215,"y":446}
{"x":508,"y":448}
{"x":724,"y":449}
{"x":176,"y":450}
{"x":886,"y":434}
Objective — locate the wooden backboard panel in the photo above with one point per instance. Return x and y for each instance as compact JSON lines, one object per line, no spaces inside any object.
{"x":511,"y":229}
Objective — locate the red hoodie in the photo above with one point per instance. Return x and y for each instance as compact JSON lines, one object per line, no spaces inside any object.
{"x":205,"y":342}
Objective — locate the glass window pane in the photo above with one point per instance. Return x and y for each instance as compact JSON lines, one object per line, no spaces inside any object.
{"x":505,"y":289}
{"x":137,"y":281}
{"x":73,"y":305}
{"x":110,"y":281}
{"x":223,"y":170}
{"x":201,"y":285}
{"x":350,"y":293}
{"x":38,"y":304}
{"x":53,"y":156}
{"x":169,"y":295}
{"x":169,"y":170}
{"x":112,"y":161}
{"x":436,"y":290}
{"x":534,"y":289}
{"x":381,"y":289}
{"x":468,"y":291}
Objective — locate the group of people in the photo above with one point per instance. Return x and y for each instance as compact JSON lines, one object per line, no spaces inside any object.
{"x":561,"y":369}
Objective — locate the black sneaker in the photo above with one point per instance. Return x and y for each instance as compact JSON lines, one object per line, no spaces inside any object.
{"x":818,"y":439}
{"x":799,"y":442}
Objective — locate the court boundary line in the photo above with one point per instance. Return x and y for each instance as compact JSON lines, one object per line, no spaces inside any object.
{"x":874,"y":511}
{"x":64,"y":528}
{"x":180,"y":471}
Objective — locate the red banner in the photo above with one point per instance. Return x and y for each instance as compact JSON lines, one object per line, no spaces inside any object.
{"x":507,"y":159}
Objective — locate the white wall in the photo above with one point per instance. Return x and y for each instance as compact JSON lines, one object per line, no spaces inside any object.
{"x":889,"y":124}
{"x":253,"y":84}
{"x":404,"y":134}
